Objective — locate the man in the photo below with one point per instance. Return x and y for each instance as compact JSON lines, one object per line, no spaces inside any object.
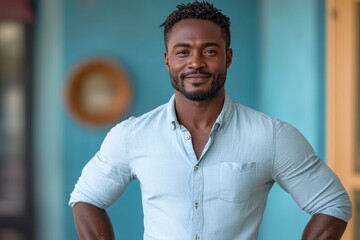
{"x":205,"y":163}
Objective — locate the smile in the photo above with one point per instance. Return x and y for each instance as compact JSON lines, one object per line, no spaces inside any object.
{"x":197,"y":78}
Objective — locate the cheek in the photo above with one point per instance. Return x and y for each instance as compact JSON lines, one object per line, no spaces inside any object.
{"x":218,"y":69}
{"x":175,"y":66}
{"x":218,"y":65}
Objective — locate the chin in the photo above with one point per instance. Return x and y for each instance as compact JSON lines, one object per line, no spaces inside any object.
{"x":199,"y":95}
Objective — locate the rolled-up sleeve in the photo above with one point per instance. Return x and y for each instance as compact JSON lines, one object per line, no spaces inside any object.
{"x":105,"y":177}
{"x":299,"y":171}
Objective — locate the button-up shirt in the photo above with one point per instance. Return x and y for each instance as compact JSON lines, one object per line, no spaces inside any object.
{"x":221,"y":195}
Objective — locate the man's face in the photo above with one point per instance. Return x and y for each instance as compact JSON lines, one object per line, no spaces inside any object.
{"x":197,"y":59}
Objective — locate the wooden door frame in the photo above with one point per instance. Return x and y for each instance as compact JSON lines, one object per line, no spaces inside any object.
{"x":341,"y":96}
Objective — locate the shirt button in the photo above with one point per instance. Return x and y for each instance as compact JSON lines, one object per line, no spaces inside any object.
{"x":196,"y":204}
{"x":187,"y":137}
{"x":196,"y":237}
{"x":197,"y":168}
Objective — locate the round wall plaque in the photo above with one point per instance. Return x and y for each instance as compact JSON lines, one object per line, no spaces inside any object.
{"x":98,"y":92}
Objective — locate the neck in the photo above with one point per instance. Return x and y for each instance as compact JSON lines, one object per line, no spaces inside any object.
{"x":198,"y":114}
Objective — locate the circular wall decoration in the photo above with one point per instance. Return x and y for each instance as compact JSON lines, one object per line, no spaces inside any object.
{"x":98,"y":92}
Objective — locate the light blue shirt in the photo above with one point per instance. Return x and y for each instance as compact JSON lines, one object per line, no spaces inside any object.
{"x":223,"y":194}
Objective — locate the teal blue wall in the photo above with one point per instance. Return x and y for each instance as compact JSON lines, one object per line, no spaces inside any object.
{"x":277,"y":68}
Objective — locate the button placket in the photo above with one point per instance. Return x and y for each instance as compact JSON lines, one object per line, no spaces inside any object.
{"x":187,"y":143}
{"x":197,"y":213}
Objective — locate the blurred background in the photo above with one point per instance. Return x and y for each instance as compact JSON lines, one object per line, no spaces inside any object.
{"x":280,"y":67}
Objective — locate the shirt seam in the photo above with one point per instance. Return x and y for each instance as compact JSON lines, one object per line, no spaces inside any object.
{"x":127,"y":155}
{"x":274,"y":148}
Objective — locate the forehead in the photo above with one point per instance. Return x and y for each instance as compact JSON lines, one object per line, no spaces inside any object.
{"x":195,"y":30}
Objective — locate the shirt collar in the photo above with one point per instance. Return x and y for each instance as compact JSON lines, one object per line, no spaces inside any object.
{"x":222,"y":120}
{"x":226,"y":113}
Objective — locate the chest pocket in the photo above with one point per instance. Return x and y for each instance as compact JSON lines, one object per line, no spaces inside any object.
{"x":236,"y":181}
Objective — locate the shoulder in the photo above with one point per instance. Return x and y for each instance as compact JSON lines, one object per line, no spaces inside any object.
{"x":259,"y":125}
{"x":251,"y":112}
{"x":145,"y":118}
{"x":121,"y":133}
{"x":258,"y":119}
{"x":155,"y":116}
{"x":148,"y":121}
{"x":253,"y":119}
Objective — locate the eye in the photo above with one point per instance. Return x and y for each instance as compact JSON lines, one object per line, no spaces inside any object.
{"x":182,"y":53}
{"x":210,"y":52}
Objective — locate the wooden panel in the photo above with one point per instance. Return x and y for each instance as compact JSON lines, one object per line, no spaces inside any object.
{"x":342,"y":96}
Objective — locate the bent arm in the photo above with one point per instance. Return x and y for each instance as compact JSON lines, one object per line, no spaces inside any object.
{"x":92,"y":223}
{"x":324,"y":227}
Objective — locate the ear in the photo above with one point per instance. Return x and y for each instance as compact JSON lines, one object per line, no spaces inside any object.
{"x":229,"y":54}
{"x":166,"y":58}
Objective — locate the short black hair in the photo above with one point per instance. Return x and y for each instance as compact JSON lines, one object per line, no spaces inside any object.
{"x":198,"y":10}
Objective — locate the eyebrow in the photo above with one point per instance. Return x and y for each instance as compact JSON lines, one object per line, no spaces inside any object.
{"x":211,"y":44}
{"x":204,"y":45}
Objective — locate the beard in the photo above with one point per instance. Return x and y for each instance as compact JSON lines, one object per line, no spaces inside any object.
{"x":217,"y":82}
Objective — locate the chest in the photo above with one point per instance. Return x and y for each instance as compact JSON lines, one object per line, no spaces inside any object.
{"x":225,"y":168}
{"x":199,"y":141}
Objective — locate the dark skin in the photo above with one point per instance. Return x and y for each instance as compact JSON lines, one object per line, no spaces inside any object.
{"x":92,"y":223}
{"x":324,"y":227}
{"x":193,"y":45}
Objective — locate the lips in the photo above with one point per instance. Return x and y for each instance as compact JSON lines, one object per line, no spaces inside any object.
{"x":197,"y":76}
{"x":197,"y":79}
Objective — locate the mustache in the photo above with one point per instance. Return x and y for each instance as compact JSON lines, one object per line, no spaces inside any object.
{"x":185,"y":74}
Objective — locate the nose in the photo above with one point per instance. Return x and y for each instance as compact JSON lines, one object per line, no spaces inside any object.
{"x":197,"y":61}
